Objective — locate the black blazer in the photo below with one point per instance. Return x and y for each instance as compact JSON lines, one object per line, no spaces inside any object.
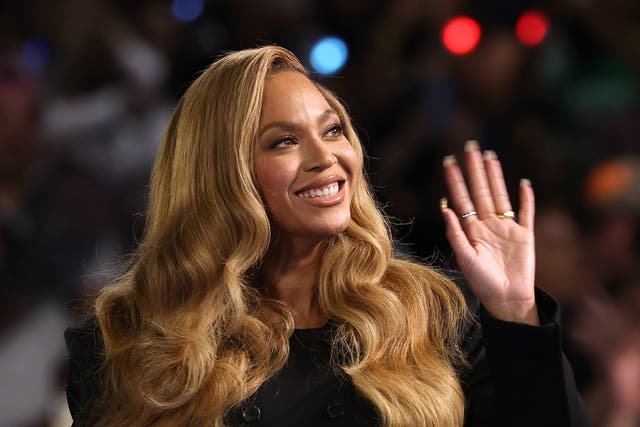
{"x":517,"y":376}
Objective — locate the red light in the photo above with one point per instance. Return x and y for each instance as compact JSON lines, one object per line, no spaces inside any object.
{"x":532,"y":27}
{"x":461,"y":35}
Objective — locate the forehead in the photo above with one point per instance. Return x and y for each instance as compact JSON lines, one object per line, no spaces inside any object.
{"x":291,"y":96}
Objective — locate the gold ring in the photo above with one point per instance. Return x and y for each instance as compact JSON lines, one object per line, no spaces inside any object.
{"x":468,"y":214}
{"x":507,"y":214}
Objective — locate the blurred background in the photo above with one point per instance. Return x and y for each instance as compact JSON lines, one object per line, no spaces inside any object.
{"x":87,"y":87}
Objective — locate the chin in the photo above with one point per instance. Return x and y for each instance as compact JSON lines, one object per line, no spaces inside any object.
{"x":334,"y":229}
{"x":315,"y":228}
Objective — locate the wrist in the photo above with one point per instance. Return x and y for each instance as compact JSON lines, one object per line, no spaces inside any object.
{"x":526,"y":313}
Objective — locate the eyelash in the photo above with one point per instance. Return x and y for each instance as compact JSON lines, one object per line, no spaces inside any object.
{"x":289,"y":140}
{"x":335,"y":129}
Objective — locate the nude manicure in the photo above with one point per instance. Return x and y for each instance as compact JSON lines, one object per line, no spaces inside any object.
{"x":489,"y":155}
{"x":471,"y":145}
{"x":524,"y":182}
{"x":443,"y":204}
{"x":449,"y":161}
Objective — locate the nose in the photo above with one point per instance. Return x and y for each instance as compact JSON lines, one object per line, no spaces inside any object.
{"x":318,"y":155}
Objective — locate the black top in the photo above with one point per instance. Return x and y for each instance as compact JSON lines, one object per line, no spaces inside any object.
{"x":517,"y":376}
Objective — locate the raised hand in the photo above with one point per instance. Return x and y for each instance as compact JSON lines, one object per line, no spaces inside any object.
{"x":494,"y":251}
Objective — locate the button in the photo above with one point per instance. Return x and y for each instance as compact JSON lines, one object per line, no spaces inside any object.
{"x":233,"y":417}
{"x":334,"y":410}
{"x":250,"y":413}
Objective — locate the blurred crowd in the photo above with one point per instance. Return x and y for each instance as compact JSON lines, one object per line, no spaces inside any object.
{"x":87,"y":87}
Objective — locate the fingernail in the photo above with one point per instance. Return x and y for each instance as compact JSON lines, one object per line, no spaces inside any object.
{"x":443,"y":204}
{"x":449,"y":161}
{"x":489,"y":155}
{"x":471,"y":145}
{"x":524,"y":182}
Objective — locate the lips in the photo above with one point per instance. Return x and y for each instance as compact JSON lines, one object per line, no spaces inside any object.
{"x":320,"y":184}
{"x":327,"y":190}
{"x":323,"y":192}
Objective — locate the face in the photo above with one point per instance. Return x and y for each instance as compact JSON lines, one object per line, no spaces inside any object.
{"x":304,"y":163}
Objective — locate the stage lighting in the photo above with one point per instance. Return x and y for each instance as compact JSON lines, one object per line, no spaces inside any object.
{"x":187,"y":10}
{"x":461,"y":35}
{"x":532,"y":27}
{"x":329,"y":55}
{"x":34,"y":54}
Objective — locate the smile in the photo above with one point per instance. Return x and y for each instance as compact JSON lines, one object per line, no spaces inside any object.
{"x":325,"y":191}
{"x":324,"y":194}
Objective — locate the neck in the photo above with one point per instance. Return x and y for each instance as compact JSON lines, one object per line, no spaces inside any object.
{"x":289,"y":274}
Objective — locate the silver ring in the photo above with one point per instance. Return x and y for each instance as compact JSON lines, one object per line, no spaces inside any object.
{"x":507,"y":214}
{"x":468,"y":214}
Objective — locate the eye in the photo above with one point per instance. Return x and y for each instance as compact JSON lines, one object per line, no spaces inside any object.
{"x":335,"y":130}
{"x":283,"y":142}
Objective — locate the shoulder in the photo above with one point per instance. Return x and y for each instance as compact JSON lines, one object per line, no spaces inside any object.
{"x":85,"y":350}
{"x":85,"y":336}
{"x":85,"y":347}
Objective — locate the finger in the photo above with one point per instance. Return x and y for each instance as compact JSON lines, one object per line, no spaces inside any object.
{"x":527,"y":204}
{"x":458,"y":189}
{"x":480,"y":190}
{"x":496,"y":182}
{"x":455,"y":234}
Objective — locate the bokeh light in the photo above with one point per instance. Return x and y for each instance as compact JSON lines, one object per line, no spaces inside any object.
{"x":461,"y":35}
{"x":329,"y":55}
{"x":608,"y":181}
{"x":34,"y":54}
{"x":187,"y":10}
{"x":532,"y":27}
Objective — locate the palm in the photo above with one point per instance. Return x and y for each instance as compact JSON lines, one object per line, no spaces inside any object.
{"x":496,"y":255}
{"x":502,"y":261}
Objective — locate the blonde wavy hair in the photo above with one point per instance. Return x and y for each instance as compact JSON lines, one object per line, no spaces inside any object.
{"x":187,"y":333}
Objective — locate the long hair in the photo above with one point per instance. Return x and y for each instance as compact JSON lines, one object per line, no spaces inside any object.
{"x":188,"y":335}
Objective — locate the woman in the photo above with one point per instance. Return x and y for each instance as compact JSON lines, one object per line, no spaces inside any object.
{"x":265,"y":291}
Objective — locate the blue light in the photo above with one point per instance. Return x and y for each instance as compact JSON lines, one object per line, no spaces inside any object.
{"x":187,"y":10}
{"x":329,"y":55}
{"x":34,"y":54}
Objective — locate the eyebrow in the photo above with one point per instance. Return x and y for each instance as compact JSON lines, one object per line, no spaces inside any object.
{"x":291,"y":126}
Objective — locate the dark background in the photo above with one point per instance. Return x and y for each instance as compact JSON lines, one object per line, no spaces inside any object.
{"x":87,"y":87}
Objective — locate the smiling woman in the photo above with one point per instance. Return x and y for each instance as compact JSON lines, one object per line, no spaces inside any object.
{"x":305,"y":164}
{"x":265,"y":290}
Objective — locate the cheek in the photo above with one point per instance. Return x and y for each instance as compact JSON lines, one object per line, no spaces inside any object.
{"x":274,"y":178}
{"x":351,"y":162}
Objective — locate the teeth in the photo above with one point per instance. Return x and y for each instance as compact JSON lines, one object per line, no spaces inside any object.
{"x":329,"y":190}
